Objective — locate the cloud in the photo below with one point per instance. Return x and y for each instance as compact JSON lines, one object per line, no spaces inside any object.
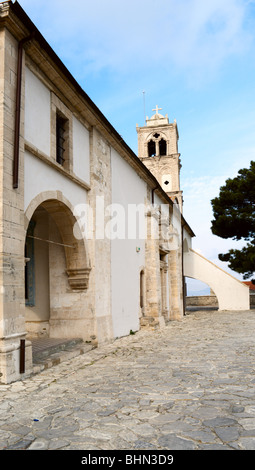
{"x":192,"y":35}
{"x":121,"y":48}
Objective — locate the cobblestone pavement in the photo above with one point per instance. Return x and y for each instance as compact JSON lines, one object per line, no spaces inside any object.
{"x":188,"y":386}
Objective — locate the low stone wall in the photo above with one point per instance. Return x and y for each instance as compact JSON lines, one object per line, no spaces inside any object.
{"x":209,"y":301}
{"x":202,"y":300}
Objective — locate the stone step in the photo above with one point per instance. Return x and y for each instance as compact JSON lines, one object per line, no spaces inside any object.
{"x":152,"y":322}
{"x":49,"y":352}
{"x":45,"y":347}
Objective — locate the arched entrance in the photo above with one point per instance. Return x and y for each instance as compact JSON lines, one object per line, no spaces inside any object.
{"x":56,"y":273}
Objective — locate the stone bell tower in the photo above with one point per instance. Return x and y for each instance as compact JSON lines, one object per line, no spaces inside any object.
{"x":158,"y":150}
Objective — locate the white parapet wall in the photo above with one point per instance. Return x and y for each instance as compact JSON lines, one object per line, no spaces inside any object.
{"x":231,"y":293}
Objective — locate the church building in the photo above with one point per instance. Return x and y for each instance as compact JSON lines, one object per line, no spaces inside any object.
{"x":93,"y":239}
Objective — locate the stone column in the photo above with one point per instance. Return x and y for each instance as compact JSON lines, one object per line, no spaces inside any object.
{"x":100,"y":197}
{"x":12,"y":233}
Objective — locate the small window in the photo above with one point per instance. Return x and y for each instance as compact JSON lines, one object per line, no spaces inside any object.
{"x":61,"y":139}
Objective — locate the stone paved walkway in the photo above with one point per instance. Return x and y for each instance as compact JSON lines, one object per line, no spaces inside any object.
{"x":188,"y":386}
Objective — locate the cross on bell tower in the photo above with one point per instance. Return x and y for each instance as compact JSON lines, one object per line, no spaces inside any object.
{"x":157,"y":109}
{"x":158,"y":150}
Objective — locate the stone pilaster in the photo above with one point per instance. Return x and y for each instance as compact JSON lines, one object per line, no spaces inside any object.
{"x":152,"y":261}
{"x":100,"y":246}
{"x":12,"y":234}
{"x":175,"y":285}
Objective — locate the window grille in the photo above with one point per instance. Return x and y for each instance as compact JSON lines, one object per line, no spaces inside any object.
{"x":60,"y":139}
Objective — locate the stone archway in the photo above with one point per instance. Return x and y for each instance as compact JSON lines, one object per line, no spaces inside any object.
{"x":62,"y":278}
{"x":231,"y":293}
{"x":77,"y":262}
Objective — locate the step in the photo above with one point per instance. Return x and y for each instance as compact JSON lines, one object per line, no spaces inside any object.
{"x":152,"y":322}
{"x":48,"y":352}
{"x":45,"y":347}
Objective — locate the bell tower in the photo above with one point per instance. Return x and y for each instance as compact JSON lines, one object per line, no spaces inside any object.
{"x":158,"y":150}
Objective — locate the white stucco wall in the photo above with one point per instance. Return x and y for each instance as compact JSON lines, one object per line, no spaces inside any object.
{"x":38,"y":126}
{"x":40,"y":177}
{"x":37,"y":113}
{"x":177,"y":220}
{"x":81,"y":151}
{"x":126,"y":261}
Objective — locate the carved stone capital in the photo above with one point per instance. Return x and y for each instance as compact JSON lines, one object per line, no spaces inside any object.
{"x":4,"y":8}
{"x":78,"y":278}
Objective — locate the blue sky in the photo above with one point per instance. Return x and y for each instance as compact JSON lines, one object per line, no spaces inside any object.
{"x":194,"y":58}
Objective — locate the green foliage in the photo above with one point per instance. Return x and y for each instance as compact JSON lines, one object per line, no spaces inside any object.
{"x":234,"y":217}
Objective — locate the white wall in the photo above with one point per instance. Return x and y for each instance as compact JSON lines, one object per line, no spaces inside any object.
{"x":126,"y":262}
{"x":81,"y":151}
{"x":40,"y":177}
{"x":37,"y":113}
{"x":38,"y":126}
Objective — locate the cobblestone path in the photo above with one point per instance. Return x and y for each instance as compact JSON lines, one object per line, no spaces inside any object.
{"x":188,"y":386}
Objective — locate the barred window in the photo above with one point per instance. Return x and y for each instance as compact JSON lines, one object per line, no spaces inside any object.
{"x":61,"y":130}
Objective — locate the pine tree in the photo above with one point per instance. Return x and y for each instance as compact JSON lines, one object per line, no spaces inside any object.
{"x":234,"y":217}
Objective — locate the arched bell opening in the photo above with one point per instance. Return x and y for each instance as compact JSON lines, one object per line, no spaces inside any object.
{"x":151,"y":148}
{"x":162,"y":148}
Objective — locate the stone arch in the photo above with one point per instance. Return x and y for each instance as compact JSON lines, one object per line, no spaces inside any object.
{"x":156,"y":135}
{"x":230,"y":292}
{"x":156,"y":144}
{"x":76,"y":255}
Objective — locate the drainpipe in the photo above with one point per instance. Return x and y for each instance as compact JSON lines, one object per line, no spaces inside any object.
{"x":183,"y":279}
{"x":17,"y":112}
{"x":22,"y":356}
{"x":152,"y":195}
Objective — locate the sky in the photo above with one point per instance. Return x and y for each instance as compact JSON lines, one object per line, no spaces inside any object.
{"x":195,"y":59}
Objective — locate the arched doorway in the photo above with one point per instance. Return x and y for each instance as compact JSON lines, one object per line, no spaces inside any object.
{"x":56,"y":273}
